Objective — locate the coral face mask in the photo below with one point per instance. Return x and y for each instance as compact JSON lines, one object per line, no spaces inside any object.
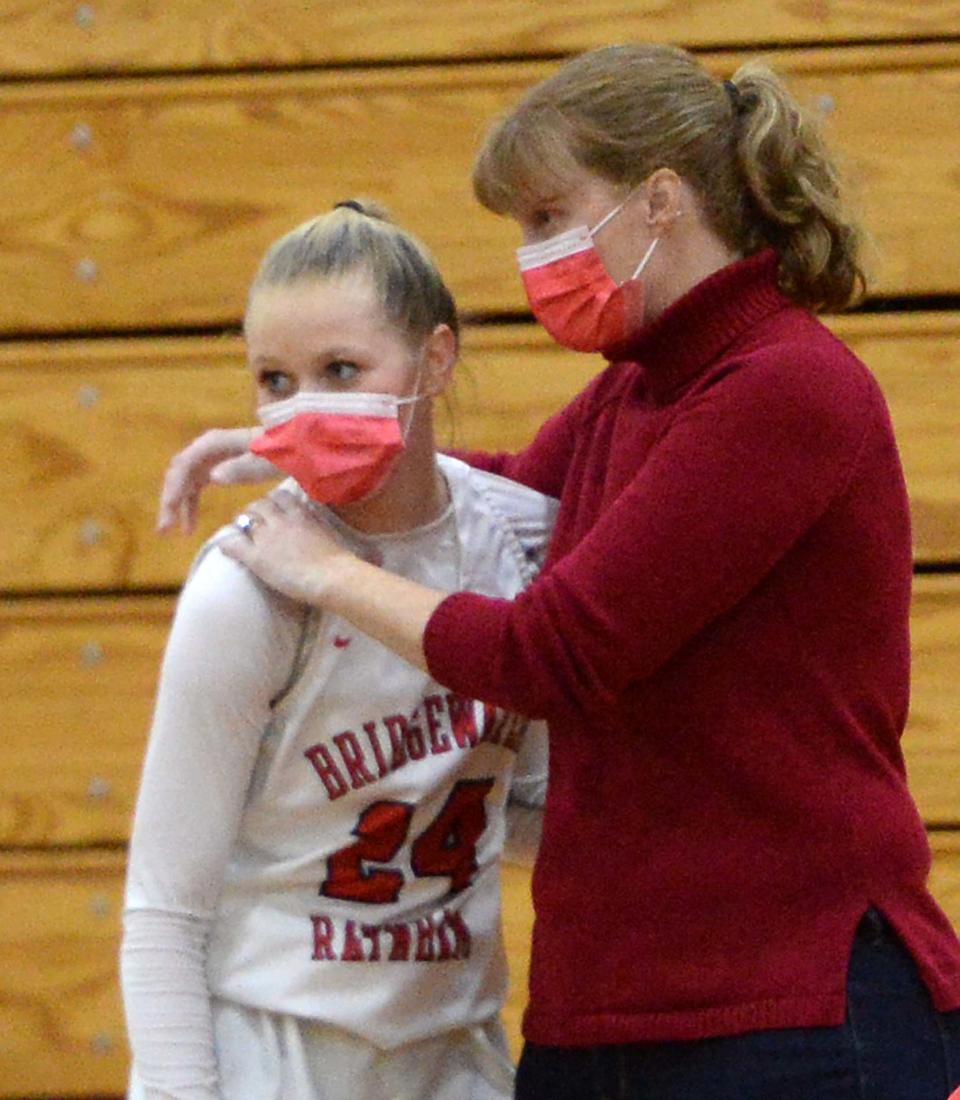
{"x":340,"y":447}
{"x":572,"y":295}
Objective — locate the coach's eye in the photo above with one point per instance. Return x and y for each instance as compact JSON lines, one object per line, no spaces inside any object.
{"x":540,"y":222}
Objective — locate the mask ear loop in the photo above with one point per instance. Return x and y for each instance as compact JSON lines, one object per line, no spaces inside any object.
{"x":614,"y":212}
{"x":609,"y":217}
{"x":645,"y":260}
{"x":412,"y":399}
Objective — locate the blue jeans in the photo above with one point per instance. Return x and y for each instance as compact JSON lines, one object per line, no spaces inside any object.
{"x":893,"y":1046}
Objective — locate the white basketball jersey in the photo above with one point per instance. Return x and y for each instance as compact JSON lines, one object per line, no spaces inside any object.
{"x":363,"y":889}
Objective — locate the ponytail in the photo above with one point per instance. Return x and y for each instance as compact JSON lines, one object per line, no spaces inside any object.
{"x":759,"y":167}
{"x":793,"y":185}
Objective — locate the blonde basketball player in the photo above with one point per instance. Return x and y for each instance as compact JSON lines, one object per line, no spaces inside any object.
{"x":312,"y":905}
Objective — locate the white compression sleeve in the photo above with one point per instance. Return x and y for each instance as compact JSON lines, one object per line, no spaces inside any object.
{"x":230,"y":651}
{"x":168,"y":1006}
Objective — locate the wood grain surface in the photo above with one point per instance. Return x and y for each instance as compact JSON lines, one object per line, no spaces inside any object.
{"x":517,"y":930}
{"x":57,"y":37}
{"x":150,"y":153}
{"x":61,"y":1029}
{"x":147,"y":203}
{"x":932,"y":738}
{"x":78,"y":680}
{"x":89,"y":426}
{"x":61,"y":1025}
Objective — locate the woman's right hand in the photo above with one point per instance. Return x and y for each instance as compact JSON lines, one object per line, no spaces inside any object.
{"x":221,"y":456}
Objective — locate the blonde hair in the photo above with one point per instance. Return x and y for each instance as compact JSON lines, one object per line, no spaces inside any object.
{"x":757,"y":163}
{"x":358,"y":236}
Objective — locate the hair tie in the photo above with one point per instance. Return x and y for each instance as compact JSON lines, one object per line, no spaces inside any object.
{"x":351,"y":204}
{"x":733,"y":94}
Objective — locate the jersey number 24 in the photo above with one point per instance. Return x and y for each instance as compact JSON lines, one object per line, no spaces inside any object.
{"x":446,"y":847}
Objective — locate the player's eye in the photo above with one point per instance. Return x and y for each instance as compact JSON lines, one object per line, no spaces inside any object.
{"x":276,"y":383}
{"x":342,"y":370}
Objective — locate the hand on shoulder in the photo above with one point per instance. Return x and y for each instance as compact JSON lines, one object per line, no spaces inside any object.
{"x":220,"y":456}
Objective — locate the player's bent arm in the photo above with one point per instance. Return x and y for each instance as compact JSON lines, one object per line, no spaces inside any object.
{"x":230,"y":648}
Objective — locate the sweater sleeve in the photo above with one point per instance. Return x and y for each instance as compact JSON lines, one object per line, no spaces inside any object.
{"x":745,"y":468}
{"x":528,"y":793}
{"x":230,"y":648}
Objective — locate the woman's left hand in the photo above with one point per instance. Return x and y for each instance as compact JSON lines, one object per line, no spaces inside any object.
{"x":286,"y":545}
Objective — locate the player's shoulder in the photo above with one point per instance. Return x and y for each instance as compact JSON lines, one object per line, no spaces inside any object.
{"x":518,"y":505}
{"x":220,"y":589}
{"x":520,"y":519}
{"x":213,"y":570}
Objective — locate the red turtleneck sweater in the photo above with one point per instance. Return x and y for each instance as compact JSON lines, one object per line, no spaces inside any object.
{"x":720,"y":643}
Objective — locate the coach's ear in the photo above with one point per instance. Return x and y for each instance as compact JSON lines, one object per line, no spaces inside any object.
{"x":440,"y":351}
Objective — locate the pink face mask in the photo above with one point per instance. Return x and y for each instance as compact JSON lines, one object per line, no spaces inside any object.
{"x":572,"y":295}
{"x":340,"y":447}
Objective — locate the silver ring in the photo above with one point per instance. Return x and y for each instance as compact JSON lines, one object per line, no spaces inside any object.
{"x":245,"y":524}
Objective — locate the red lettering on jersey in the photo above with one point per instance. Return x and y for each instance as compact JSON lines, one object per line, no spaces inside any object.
{"x":372,"y":932}
{"x":439,"y":938}
{"x":352,"y":755}
{"x":493,"y":722}
{"x":340,"y":641}
{"x":370,"y":729}
{"x":322,"y":937}
{"x":463,"y":721}
{"x":444,"y":949}
{"x":433,"y":706}
{"x":425,"y":932}
{"x":319,"y":756}
{"x":352,"y":944}
{"x":461,"y":932}
{"x":400,"y":950}
{"x":396,"y":727}
{"x":416,"y":749}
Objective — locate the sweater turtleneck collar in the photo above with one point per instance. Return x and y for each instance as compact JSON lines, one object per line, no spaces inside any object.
{"x":689,"y":335}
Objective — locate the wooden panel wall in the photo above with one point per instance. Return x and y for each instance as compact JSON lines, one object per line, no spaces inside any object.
{"x":85,"y":669}
{"x":105,"y":36}
{"x":101,"y":230}
{"x":150,"y":152}
{"x":89,"y":425}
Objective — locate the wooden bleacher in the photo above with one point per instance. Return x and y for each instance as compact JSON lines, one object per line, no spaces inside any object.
{"x":145,"y":204}
{"x":114,"y":36}
{"x":150,"y":152}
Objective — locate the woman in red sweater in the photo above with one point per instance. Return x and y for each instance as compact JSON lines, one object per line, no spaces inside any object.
{"x":731,"y":894}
